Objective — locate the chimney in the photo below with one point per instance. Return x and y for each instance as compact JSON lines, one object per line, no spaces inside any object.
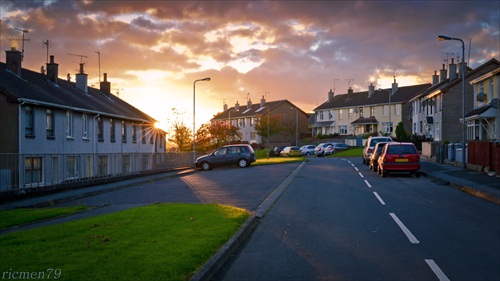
{"x":442,"y":74}
{"x":371,"y":90}
{"x":225,"y":106}
{"x":249,"y":103}
{"x":394,"y":87}
{"x":81,"y":80}
{"x":52,"y":70}
{"x":105,"y":86}
{"x":262,"y":102}
{"x":435,"y":78}
{"x":453,"y":70}
{"x":330,"y":95}
{"x":237,"y":106}
{"x":13,"y":60}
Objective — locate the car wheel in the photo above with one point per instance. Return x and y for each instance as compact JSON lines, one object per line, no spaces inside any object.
{"x":307,"y":153}
{"x":242,"y":163}
{"x":205,"y":166}
{"x":384,"y":173}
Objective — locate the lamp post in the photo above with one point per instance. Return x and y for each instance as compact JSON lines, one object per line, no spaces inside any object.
{"x":194,"y":116}
{"x":464,"y":125}
{"x":296,"y":125}
{"x":390,"y":121}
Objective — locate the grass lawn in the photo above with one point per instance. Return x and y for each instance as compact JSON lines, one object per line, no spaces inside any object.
{"x":351,"y":152}
{"x":10,"y":218}
{"x":155,"y":242}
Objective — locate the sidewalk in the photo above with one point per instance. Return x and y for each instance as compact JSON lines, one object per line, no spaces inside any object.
{"x":478,"y":184}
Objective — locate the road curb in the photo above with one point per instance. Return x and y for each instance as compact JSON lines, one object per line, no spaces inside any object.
{"x":469,"y":190}
{"x":209,"y":269}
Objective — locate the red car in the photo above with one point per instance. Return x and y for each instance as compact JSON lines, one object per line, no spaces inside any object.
{"x":399,"y":157}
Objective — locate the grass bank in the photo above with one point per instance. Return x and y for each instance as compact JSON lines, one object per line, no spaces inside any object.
{"x":10,"y":218}
{"x":155,"y":242}
{"x":351,"y":152}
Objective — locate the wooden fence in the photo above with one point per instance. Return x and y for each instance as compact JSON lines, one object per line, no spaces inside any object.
{"x":485,"y":154}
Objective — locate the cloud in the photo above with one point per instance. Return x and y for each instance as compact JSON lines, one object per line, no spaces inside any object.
{"x":293,"y":49}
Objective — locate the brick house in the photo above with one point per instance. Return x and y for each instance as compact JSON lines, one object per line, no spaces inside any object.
{"x":245,"y":117}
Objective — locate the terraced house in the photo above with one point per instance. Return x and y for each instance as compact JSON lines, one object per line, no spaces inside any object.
{"x":56,"y":132}
{"x":372,"y":111}
{"x":437,"y":112}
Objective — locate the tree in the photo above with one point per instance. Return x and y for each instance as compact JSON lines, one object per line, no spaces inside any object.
{"x":179,"y":133}
{"x":401,"y":132}
{"x":216,"y":134}
{"x":268,"y":126}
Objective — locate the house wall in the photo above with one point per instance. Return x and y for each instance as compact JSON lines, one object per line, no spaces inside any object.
{"x":9,"y":126}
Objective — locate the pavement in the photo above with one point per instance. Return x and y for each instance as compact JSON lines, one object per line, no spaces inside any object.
{"x":475,"y":183}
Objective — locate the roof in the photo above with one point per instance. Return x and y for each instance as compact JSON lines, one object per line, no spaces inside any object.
{"x":34,"y":88}
{"x":483,"y":111}
{"x":252,"y":111}
{"x":402,"y":95}
{"x":365,"y":120}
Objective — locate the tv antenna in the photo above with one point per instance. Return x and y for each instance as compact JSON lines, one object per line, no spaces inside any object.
{"x":447,"y":56}
{"x":117,"y":92}
{"x":99,"y":62}
{"x":24,"y":31}
{"x":81,"y":57}
{"x":46,"y":44}
{"x":334,"y":80}
{"x":349,"y":82}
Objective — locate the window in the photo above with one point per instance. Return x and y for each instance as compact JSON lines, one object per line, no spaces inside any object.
{"x":126,"y":164}
{"x":372,"y":111}
{"x":112,"y":136}
{"x":321,"y":115}
{"x":143,"y":129}
{"x":330,"y":116}
{"x":69,"y":124}
{"x":32,"y":170}
{"x":387,"y":127}
{"x":85,"y":126}
{"x":385,"y":109}
{"x":134,"y":133}
{"x":491,"y":88}
{"x":350,"y":114}
{"x":100,"y":129}
{"x":72,"y":167}
{"x":152,"y":138}
{"x":50,"y":124}
{"x":397,"y":109}
{"x":124,"y":131}
{"x":343,"y":129}
{"x":102,"y":166}
{"x":341,"y":112}
{"x":241,"y":122}
{"x":29,"y":127}
{"x":361,"y":112}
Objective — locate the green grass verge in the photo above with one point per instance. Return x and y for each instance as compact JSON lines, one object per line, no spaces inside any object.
{"x":351,"y":152}
{"x":10,"y":218}
{"x":278,"y":160}
{"x":155,"y":242}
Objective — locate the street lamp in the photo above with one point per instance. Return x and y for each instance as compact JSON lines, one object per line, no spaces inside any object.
{"x":390,"y":121}
{"x":296,"y":125}
{"x":194,"y":116}
{"x":464,"y":126}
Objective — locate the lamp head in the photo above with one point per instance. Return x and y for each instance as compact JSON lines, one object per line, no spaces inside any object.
{"x":443,"y":37}
{"x":206,"y":79}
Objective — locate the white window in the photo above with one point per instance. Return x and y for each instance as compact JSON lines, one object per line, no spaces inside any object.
{"x":50,"y":123}
{"x":397,"y":109}
{"x":33,"y":171}
{"x":351,"y":113}
{"x":341,"y":112}
{"x":343,"y":129}
{"x":385,"y":110}
{"x":69,"y":124}
{"x":72,"y":167}
{"x":85,"y":126}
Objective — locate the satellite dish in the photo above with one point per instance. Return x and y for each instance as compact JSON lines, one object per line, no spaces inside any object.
{"x":481,"y":97}
{"x":495,"y":103}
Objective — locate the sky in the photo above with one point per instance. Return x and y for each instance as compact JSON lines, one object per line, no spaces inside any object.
{"x":153,"y":51}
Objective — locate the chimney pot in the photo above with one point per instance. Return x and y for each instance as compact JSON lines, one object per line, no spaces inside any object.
{"x":105,"y":86}
{"x":52,"y":70}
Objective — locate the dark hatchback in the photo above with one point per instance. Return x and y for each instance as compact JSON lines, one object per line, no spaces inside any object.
{"x":234,"y":154}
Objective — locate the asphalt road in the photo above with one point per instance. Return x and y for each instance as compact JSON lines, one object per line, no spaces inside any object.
{"x":339,"y":221}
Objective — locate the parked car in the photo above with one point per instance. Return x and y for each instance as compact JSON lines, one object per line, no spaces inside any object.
{"x":320,"y":149}
{"x":277,"y":150}
{"x":307,"y":150}
{"x":340,"y":146}
{"x":370,"y":144}
{"x":373,"y":162}
{"x":291,"y":151}
{"x":329,"y":149}
{"x":399,"y":157}
{"x":228,"y":155}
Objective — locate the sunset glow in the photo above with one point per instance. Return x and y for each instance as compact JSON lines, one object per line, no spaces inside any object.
{"x":152,"y":51}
